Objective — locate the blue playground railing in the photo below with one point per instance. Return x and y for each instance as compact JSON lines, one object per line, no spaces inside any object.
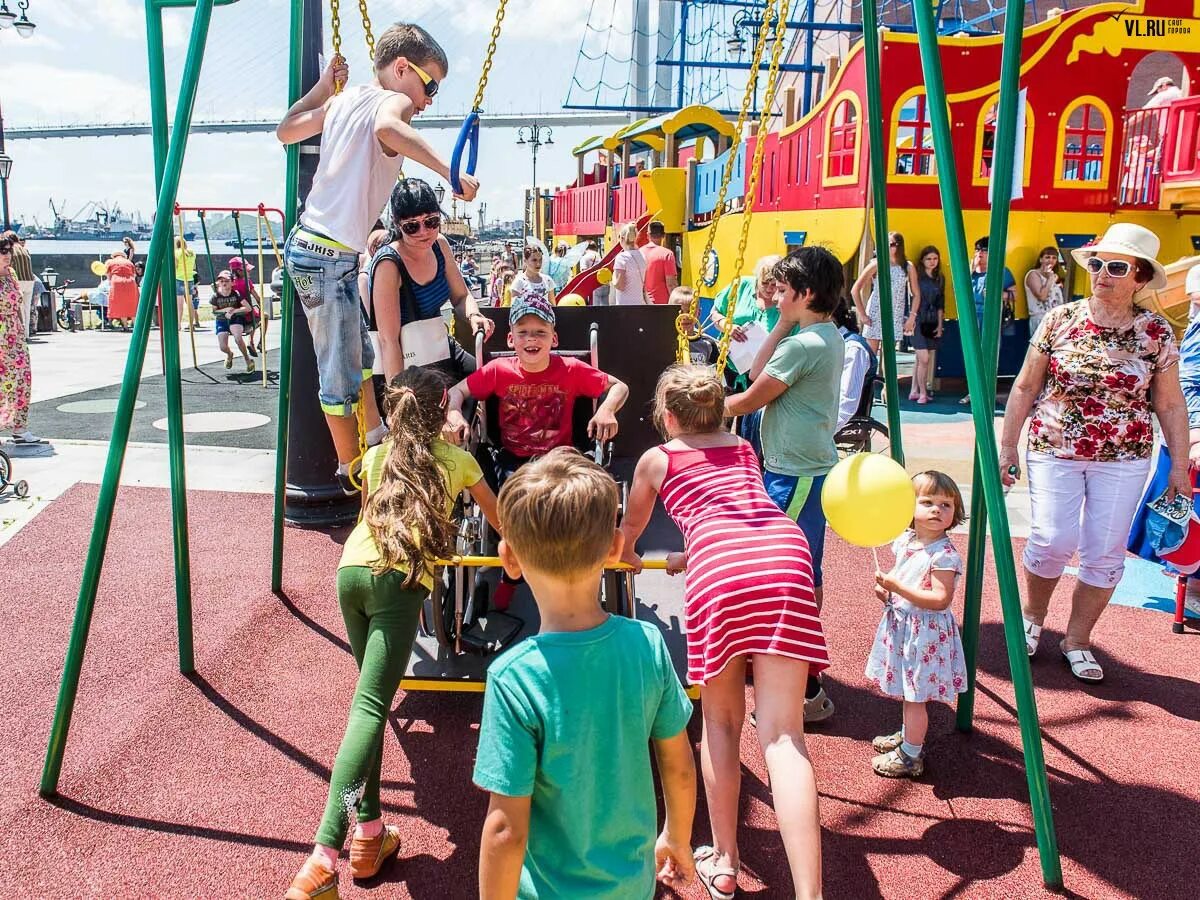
{"x":708,"y":181}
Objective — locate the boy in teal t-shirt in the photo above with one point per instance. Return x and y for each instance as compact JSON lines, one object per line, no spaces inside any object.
{"x":569,"y":714}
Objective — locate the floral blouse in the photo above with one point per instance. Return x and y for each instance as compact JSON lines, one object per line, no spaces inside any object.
{"x":1094,"y":404}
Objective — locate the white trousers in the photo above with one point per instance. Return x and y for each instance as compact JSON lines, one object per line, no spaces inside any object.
{"x":1085,"y":506}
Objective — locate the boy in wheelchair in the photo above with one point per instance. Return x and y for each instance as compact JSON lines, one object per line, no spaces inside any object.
{"x":535,"y":392}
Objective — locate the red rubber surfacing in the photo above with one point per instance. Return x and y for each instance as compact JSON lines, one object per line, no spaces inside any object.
{"x":212,"y":786}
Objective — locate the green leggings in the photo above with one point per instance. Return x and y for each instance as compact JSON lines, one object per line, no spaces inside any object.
{"x":381,"y":622}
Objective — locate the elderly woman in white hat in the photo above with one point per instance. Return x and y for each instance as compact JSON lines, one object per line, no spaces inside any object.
{"x":1095,"y":371}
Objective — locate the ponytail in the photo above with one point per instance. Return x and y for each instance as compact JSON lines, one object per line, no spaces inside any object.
{"x":406,"y":513}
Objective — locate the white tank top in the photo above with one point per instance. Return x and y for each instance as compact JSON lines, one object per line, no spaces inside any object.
{"x":354,"y":177}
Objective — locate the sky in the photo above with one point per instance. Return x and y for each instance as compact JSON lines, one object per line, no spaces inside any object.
{"x":87,"y":64}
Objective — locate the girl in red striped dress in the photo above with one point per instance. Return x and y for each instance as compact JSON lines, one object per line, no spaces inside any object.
{"x":749,"y":591}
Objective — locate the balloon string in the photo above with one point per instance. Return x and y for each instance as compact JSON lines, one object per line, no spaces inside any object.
{"x":875,"y":553}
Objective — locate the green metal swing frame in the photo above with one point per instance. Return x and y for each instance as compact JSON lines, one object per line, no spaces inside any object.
{"x":979,"y":353}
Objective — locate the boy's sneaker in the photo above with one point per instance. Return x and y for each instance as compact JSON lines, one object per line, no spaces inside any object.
{"x":886,"y":743}
{"x":502,"y":598}
{"x":313,"y":882}
{"x":367,"y":855}
{"x":898,"y":764}
{"x":347,"y":485}
{"x":229,"y":360}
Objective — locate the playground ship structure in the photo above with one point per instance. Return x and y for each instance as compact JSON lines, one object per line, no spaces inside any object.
{"x":1088,"y":154}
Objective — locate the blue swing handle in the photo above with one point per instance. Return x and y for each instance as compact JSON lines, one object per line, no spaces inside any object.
{"x":468,"y":137}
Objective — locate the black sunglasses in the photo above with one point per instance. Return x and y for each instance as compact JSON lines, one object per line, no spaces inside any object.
{"x":5,"y":248}
{"x":431,"y":85}
{"x":433,"y":223}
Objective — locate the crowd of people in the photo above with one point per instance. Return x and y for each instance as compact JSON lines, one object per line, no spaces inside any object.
{"x":570,"y":815}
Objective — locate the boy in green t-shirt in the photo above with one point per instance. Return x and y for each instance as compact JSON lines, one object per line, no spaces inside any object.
{"x":569,"y":714}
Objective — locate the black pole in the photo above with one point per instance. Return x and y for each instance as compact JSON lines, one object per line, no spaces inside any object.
{"x":4,"y":180}
{"x":312,"y":496}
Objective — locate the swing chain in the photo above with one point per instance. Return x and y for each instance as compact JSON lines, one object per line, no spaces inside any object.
{"x":367,"y":33}
{"x":477,"y":106}
{"x":690,"y":314}
{"x":335,"y":31}
{"x":755,"y":171}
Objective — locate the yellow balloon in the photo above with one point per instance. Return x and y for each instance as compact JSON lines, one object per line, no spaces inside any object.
{"x":98,"y":267}
{"x":604,"y":276}
{"x":868,"y":499}
{"x":571,"y":300}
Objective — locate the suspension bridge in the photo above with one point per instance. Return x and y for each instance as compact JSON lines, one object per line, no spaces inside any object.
{"x":556,"y":119}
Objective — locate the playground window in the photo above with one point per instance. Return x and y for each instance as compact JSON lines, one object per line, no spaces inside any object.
{"x":842,"y":141}
{"x":985,"y":139}
{"x":1083,"y":144}
{"x":912,"y":139}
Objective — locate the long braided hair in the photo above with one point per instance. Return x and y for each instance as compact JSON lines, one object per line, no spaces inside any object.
{"x":406,"y":512}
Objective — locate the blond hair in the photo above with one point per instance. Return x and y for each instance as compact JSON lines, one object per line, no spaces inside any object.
{"x":681,"y":295}
{"x":694,"y":395}
{"x":559,"y":514}
{"x":766,"y":266}
{"x":407,"y":511}
{"x":939,"y":484}
{"x":627,"y":236}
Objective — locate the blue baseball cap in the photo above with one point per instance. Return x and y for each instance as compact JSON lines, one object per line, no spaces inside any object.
{"x":1167,"y":523}
{"x":530,"y":305}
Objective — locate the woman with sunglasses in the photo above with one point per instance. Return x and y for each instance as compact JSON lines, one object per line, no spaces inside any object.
{"x":903,"y":275}
{"x":15,"y":385}
{"x":410,"y":279}
{"x":1095,"y":371}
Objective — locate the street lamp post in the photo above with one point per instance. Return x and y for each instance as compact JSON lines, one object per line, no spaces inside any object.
{"x":535,"y":136}
{"x":25,"y":28}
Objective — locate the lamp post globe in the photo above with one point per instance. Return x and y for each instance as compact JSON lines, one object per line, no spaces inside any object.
{"x":6,"y":164}
{"x":440,"y":193}
{"x":49,"y":278}
{"x":7,"y":16}
{"x":24,"y":27}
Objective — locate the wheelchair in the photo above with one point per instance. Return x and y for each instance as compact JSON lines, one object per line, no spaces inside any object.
{"x":460,"y":598}
{"x":859,"y":433}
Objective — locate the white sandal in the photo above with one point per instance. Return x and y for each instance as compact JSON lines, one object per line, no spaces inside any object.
{"x":1033,"y":633}
{"x":1082,"y":662}
{"x":710,"y":873}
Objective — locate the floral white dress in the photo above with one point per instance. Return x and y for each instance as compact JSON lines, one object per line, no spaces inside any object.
{"x":918,"y":655}
{"x":900,"y":301}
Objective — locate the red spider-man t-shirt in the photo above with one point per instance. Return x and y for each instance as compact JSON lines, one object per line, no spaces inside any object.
{"x":536,"y":407}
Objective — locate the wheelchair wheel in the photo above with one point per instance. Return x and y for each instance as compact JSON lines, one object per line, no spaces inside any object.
{"x":614,"y":593}
{"x":441,"y":607}
{"x":862,"y":435}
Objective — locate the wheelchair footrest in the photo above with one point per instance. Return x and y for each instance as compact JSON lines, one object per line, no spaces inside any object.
{"x":497,"y":639}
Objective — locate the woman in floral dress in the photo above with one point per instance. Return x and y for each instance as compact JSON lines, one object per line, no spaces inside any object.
{"x":1095,"y":371}
{"x":14,"y":355}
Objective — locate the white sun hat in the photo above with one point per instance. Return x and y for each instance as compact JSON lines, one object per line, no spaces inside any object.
{"x":1164,"y":82}
{"x":1129,"y":240}
{"x":1192,"y":285}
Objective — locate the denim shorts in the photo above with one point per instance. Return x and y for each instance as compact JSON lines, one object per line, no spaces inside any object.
{"x":326,"y":282}
{"x":800,"y":497}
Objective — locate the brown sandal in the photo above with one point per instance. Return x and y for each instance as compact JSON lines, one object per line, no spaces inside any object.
{"x":313,"y":882}
{"x":367,"y":855}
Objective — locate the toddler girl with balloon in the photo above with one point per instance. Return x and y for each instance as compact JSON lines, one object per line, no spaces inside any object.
{"x":917,"y":655}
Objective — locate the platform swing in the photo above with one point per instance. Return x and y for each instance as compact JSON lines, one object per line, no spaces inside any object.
{"x":468,"y":135}
{"x":688,"y":316}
